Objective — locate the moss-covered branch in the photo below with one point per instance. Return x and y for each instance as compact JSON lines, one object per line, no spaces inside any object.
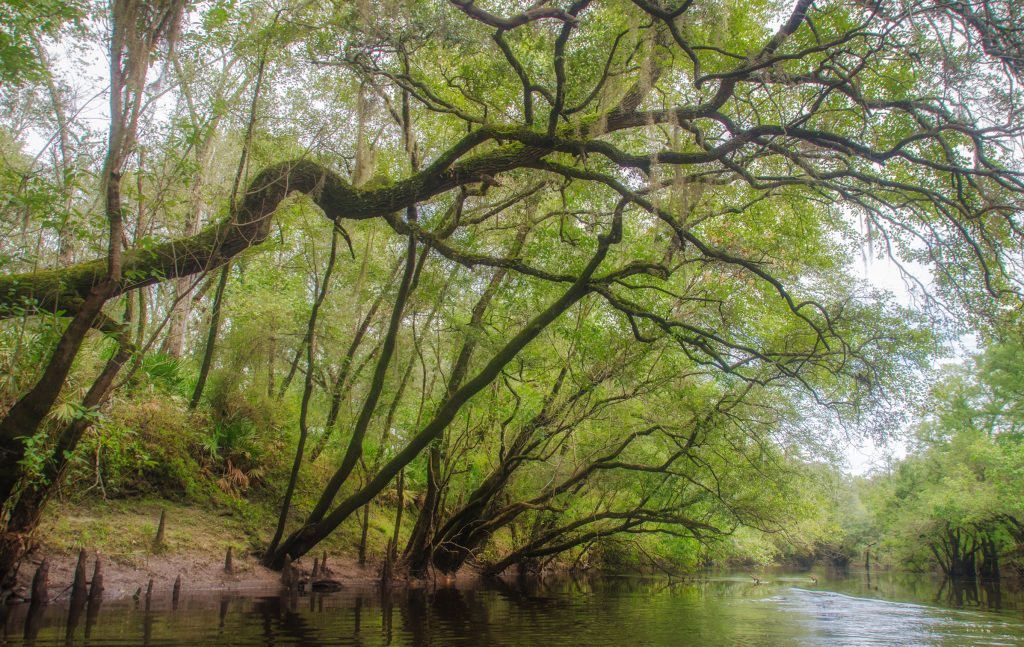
{"x":64,"y":289}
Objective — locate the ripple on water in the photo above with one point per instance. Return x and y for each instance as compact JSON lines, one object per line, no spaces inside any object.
{"x":835,"y":618}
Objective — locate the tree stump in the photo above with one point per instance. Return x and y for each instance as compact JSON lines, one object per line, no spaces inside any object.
{"x":228,"y":566}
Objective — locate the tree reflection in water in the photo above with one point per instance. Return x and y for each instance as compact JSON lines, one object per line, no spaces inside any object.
{"x":726,"y":609}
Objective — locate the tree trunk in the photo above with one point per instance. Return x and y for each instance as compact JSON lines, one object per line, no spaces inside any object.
{"x":271,"y":352}
{"x":24,"y":418}
{"x":419,"y":549}
{"x":307,"y":393}
{"x":342,"y":381}
{"x":211,"y":337}
{"x":989,"y":568}
{"x":365,"y":529}
{"x":355,"y":447}
{"x":956,"y":553}
{"x":26,"y":512}
{"x":312,"y":533}
{"x":174,"y":342}
{"x":243,"y":159}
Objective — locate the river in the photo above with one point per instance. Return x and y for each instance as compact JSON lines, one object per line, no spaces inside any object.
{"x":890,"y":609}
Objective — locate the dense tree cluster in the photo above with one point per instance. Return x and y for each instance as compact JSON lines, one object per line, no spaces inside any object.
{"x":953,"y":502}
{"x":564,"y":272}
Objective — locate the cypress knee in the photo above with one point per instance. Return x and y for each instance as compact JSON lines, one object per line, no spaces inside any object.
{"x":78,"y":585}
{"x":158,"y":542}
{"x":287,"y":577}
{"x":39,"y":588}
{"x":96,"y":588}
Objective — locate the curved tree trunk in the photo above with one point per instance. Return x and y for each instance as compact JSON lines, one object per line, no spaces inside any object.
{"x":25,"y":513}
{"x":211,"y":337}
{"x":420,"y":548}
{"x":956,"y":552}
{"x":464,"y":532}
{"x":306,"y":538}
{"x":988,"y":569}
{"x":25,"y":417}
{"x":307,"y":392}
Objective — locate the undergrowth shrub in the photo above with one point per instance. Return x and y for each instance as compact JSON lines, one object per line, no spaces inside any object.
{"x":142,"y":446}
{"x":148,"y":442}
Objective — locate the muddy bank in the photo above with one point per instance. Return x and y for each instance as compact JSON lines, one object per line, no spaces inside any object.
{"x":193,"y":546}
{"x":199,"y":574}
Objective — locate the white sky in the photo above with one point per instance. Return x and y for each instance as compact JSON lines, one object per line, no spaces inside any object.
{"x":866,"y":455}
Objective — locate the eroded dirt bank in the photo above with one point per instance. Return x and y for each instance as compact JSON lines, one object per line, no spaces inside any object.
{"x":194,"y":546}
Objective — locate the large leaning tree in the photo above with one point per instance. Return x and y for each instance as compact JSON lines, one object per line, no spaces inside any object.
{"x":702,"y":172}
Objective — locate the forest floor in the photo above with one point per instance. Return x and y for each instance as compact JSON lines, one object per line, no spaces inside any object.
{"x":196,"y":540}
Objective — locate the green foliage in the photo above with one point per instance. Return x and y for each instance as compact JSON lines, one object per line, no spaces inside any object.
{"x":165,"y":373}
{"x":22,"y":350}
{"x":142,"y":447}
{"x":964,"y":471}
{"x":719,"y":345}
{"x":37,"y":451}
{"x":22,"y":20}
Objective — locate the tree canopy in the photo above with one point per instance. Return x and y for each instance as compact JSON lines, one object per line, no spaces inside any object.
{"x":572,"y":243}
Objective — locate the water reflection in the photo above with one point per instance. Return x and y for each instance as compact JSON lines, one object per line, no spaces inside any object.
{"x":970,"y":593}
{"x":719,"y":610}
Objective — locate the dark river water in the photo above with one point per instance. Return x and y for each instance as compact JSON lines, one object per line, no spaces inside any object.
{"x":891,"y":609}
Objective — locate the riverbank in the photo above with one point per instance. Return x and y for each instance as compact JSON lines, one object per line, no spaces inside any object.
{"x":194,"y":546}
